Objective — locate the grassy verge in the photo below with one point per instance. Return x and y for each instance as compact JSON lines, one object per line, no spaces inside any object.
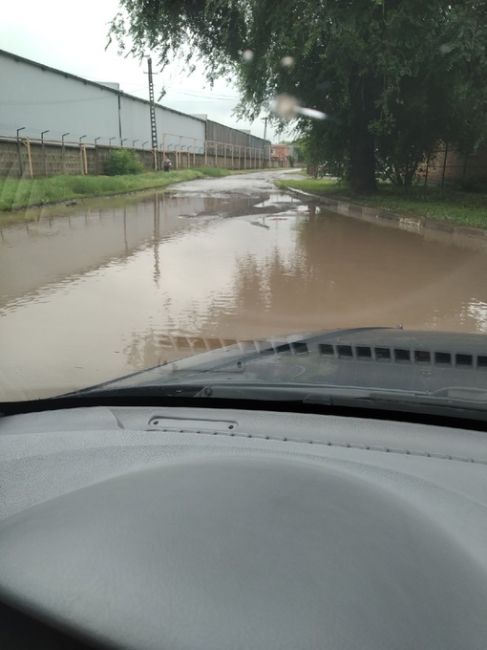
{"x":463,"y":208}
{"x":18,"y":193}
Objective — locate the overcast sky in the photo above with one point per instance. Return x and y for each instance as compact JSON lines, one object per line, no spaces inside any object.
{"x":72,"y":36}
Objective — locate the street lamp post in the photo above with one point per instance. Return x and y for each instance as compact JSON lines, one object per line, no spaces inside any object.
{"x":19,"y":152}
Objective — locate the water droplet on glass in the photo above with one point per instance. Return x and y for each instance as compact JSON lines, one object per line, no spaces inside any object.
{"x":247,"y":55}
{"x":446,"y":48}
{"x":287,"y":107}
{"x":312,"y":113}
{"x":287,"y":61}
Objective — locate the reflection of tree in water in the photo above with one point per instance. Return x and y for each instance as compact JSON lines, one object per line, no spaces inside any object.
{"x":337,"y":272}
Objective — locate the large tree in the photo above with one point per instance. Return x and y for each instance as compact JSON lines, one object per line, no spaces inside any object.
{"x":392,"y":76}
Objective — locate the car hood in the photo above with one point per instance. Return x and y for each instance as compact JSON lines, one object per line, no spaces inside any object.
{"x":443,"y":363}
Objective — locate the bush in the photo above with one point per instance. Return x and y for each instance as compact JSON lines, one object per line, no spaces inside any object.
{"x":475,"y":184}
{"x":122,"y":161}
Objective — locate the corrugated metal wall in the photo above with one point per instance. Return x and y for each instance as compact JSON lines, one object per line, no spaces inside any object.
{"x":216,"y":132}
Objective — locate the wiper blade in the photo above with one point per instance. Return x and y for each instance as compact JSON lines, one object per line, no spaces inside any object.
{"x":142,"y":390}
{"x":331,"y":395}
{"x":353,"y":397}
{"x":305,"y":398}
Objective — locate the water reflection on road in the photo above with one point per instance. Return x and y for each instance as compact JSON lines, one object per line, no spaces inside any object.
{"x":123,"y":286}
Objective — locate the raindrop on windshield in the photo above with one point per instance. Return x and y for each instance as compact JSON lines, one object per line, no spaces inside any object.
{"x":247,"y":55}
{"x":446,"y":48}
{"x":287,"y":61}
{"x":287,"y":107}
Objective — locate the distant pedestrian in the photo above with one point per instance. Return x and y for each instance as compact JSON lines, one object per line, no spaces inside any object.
{"x":167,"y":165}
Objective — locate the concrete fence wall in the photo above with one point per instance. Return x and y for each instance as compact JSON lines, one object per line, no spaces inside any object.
{"x":448,"y":167}
{"x":32,"y":158}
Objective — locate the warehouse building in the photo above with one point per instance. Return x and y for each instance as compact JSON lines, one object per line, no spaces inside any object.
{"x":37,"y":99}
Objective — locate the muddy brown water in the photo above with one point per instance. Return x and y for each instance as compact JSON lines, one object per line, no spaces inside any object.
{"x":108,"y":289}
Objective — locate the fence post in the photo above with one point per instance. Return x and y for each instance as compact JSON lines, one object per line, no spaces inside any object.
{"x":444,"y":166}
{"x":29,"y":158}
{"x":85,"y":160}
{"x":464,"y":172}
{"x":43,"y":153}
{"x":19,"y":151}
{"x":427,"y":170}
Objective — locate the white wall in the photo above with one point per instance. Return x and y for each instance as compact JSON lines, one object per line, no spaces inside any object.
{"x":172,"y":127}
{"x":39,"y":100}
{"x":179,"y":129}
{"x":42,"y":99}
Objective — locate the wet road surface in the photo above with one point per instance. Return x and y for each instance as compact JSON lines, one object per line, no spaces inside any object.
{"x":122,"y":284}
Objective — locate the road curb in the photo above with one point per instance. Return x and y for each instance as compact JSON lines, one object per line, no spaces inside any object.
{"x":377,"y":215}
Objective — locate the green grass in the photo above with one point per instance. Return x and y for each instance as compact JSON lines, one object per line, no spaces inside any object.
{"x":455,"y":206}
{"x":18,"y":193}
{"x":320,"y":186}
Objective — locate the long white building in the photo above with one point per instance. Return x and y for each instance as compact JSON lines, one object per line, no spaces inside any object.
{"x":41,"y":98}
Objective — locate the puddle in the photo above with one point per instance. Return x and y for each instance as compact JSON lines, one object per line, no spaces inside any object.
{"x":113,"y":289}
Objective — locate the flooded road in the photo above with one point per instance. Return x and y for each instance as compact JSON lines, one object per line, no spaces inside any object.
{"x":122,"y":284}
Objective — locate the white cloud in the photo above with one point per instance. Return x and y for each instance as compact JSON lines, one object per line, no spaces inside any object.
{"x":72,"y":36}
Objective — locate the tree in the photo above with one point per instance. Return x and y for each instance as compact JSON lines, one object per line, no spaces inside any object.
{"x":435,"y":72}
{"x":393,"y":76}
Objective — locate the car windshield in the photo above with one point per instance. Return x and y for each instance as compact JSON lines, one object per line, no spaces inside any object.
{"x":248,"y":193}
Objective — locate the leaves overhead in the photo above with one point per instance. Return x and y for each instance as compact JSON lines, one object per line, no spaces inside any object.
{"x":394,"y":76}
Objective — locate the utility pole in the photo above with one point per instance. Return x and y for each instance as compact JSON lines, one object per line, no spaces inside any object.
{"x":265,"y":127}
{"x":153,"y":124}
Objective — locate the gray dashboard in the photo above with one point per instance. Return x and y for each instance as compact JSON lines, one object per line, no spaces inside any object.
{"x":220,"y":529}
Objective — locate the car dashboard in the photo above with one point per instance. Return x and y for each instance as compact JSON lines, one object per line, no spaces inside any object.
{"x":210,"y":528}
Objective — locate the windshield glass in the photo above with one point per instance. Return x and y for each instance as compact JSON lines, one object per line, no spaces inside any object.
{"x":265,"y":195}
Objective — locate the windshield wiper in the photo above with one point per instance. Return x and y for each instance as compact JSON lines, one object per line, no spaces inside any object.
{"x":333,"y":400}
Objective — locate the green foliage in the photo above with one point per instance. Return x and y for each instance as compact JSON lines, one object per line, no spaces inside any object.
{"x":393,"y":76}
{"x":312,"y":185}
{"x":17,"y":193}
{"x":457,"y":207}
{"x":122,"y":161}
